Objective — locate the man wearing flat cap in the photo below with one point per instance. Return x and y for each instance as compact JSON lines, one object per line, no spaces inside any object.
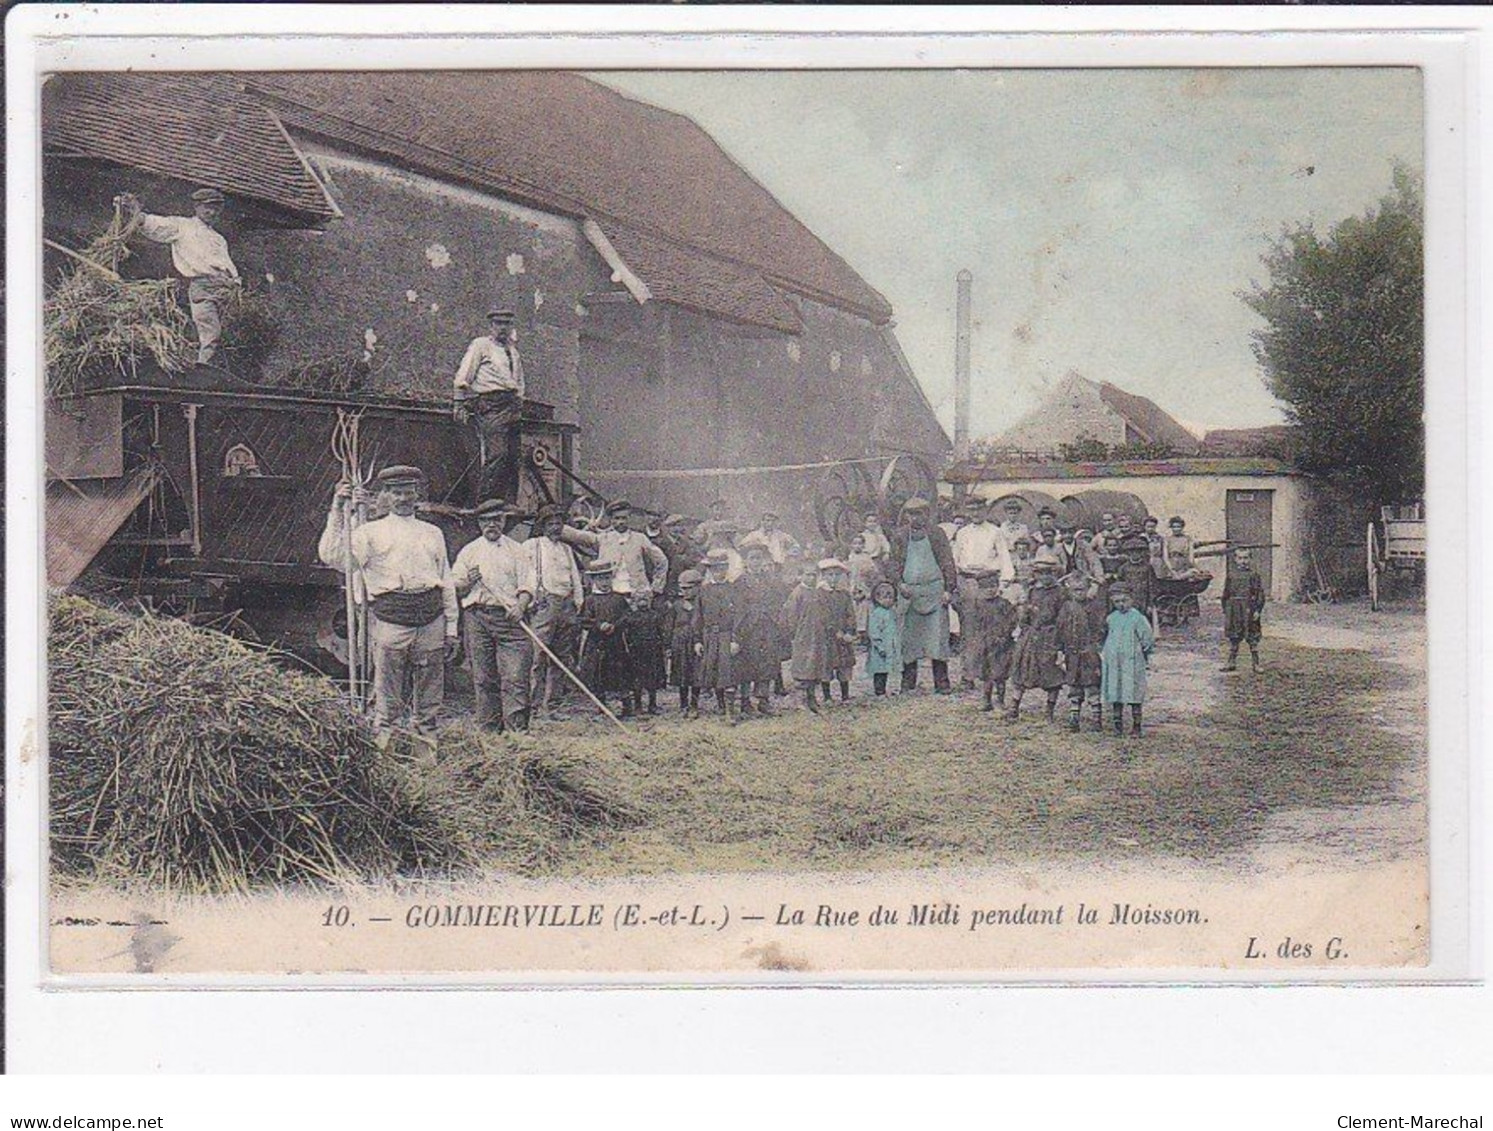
{"x":200,"y":255}
{"x":400,"y":561}
{"x":489,"y":391}
{"x":494,"y":578}
{"x":921,"y":566}
{"x":639,"y":563}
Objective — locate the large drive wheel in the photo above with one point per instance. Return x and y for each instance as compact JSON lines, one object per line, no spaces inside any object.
{"x":906,"y":477}
{"x":839,"y":503}
{"x":1371,"y":541}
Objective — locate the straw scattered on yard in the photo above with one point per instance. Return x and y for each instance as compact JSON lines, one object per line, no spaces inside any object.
{"x":180,"y":757}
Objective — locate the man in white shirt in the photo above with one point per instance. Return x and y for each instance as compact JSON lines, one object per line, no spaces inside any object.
{"x":400,"y":561}
{"x":559,"y":594}
{"x":200,"y":255}
{"x":494,"y":577}
{"x":980,"y":550}
{"x":777,"y":541}
{"x":489,"y":391}
{"x":640,"y":564}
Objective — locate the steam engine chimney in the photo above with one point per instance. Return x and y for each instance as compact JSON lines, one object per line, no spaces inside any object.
{"x":961,"y":367}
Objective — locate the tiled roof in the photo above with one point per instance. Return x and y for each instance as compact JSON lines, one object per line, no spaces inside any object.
{"x":1274,"y":440}
{"x":197,"y":128}
{"x":976,"y":471}
{"x":566,"y":144}
{"x":685,"y":276}
{"x":1154,"y":424}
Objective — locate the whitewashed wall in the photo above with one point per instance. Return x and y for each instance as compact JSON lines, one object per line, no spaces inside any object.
{"x":1201,"y":500}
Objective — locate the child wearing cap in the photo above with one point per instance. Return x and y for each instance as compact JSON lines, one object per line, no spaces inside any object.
{"x":1034,"y":663}
{"x":715,"y":616}
{"x":823,"y":620}
{"x":1128,"y":642}
{"x":602,"y":619}
{"x":684,"y":634}
{"x":1080,"y":634}
{"x":883,"y":636}
{"x":990,"y":628}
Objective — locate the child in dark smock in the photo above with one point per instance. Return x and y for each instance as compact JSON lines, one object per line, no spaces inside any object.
{"x":758,"y":603}
{"x":643,"y":635}
{"x":1081,"y":632}
{"x":1035,"y":660}
{"x":684,"y":634}
{"x":1243,"y":602}
{"x":601,"y":619}
{"x":823,"y":620}
{"x":990,"y":630}
{"x":715,"y":614}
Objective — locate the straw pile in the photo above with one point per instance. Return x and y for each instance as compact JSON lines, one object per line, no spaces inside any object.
{"x":181,"y":757}
{"x":524,"y":800}
{"x":97,"y":325}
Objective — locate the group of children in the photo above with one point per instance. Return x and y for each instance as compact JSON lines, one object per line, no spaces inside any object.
{"x":732,"y":638}
{"x":1073,"y":613}
{"x":1064,"y":633}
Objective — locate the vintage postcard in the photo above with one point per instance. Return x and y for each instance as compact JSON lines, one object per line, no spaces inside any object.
{"x":566,"y":524}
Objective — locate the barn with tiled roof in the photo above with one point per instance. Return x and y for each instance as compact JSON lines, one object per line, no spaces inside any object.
{"x":667,"y":302}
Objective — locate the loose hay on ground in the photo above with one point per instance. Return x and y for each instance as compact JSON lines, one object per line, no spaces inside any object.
{"x":181,"y":757}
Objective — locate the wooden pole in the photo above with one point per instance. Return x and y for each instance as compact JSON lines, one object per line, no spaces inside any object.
{"x":575,"y":679}
{"x":99,"y":267}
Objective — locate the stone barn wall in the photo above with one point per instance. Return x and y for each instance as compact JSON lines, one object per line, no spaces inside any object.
{"x":665,"y":387}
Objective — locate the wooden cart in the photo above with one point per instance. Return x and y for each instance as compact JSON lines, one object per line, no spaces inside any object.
{"x":1396,"y":549}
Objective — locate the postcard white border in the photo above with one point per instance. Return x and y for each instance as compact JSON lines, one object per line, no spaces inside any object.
{"x":780,"y":37}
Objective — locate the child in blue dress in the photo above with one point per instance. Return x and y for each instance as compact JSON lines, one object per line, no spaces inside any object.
{"x":884,"y":636}
{"x":1128,"y":642}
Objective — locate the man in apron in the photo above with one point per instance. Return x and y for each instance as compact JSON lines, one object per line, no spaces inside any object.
{"x":922,"y":567}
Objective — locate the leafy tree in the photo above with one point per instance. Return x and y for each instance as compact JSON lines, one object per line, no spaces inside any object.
{"x":1343,"y":344}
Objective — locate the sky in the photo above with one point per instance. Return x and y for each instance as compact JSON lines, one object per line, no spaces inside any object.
{"x":1110,"y":217}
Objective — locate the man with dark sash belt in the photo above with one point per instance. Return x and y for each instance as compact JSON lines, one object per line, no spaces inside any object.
{"x":494,"y":578}
{"x":489,"y":391}
{"x":402,"y":562}
{"x":921,"y":566}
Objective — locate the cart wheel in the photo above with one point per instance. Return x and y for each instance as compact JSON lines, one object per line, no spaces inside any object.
{"x":1372,"y":546}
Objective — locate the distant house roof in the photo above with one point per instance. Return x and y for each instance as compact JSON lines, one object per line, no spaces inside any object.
{"x":693,"y":225}
{"x":1000,"y":471}
{"x":196,"y":128}
{"x":1146,"y":417}
{"x":1278,"y":441}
